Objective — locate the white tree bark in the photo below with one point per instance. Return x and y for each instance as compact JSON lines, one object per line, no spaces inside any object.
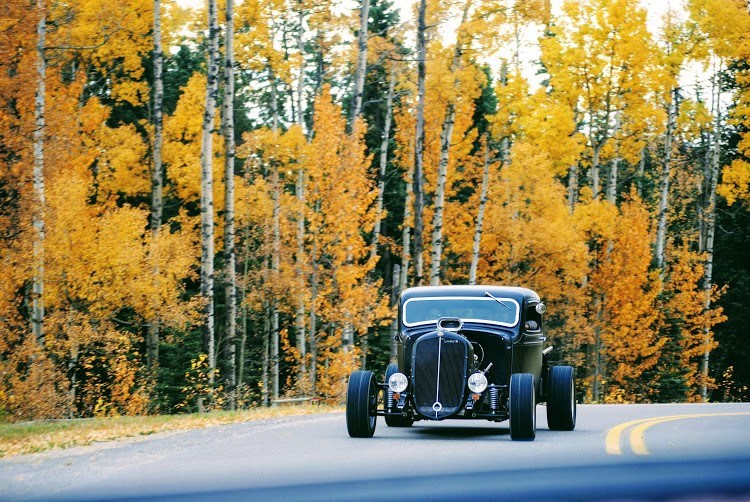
{"x":157,"y":179}
{"x":661,"y":228}
{"x":230,"y":274}
{"x":276,"y":242}
{"x":301,"y":80}
{"x":207,"y":196}
{"x":275,"y":267}
{"x":419,"y":144}
{"x":383,"y":165}
{"x":300,"y":193}
{"x":359,"y":75}
{"x":300,"y":315}
{"x":437,"y":220}
{"x":480,"y":215}
{"x":406,"y":230}
{"x":710,"y":216}
{"x":446,"y":137}
{"x":612,"y":181}
{"x":40,"y":200}
{"x":572,"y":187}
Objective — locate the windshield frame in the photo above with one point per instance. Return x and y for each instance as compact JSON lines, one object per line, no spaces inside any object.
{"x":505,"y":300}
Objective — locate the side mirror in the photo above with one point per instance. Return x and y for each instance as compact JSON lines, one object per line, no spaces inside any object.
{"x":540,"y":308}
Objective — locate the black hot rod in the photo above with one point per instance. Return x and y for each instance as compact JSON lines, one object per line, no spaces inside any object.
{"x":469,"y":352}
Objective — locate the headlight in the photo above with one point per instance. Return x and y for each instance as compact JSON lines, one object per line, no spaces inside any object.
{"x":398,"y":382}
{"x":477,"y":382}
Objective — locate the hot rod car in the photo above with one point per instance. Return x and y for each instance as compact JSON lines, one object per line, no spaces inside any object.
{"x":466,"y":352}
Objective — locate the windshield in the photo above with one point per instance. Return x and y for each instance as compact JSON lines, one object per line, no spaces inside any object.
{"x":430,"y":309}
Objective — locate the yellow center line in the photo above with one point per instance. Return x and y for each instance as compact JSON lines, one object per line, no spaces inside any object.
{"x":637,"y":441}
{"x":612,"y":441}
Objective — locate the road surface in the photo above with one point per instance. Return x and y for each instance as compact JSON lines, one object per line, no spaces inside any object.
{"x":617,"y":451}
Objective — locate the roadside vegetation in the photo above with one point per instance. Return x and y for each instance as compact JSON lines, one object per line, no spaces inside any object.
{"x":33,"y":437}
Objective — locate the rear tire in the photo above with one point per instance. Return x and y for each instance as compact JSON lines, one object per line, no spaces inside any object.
{"x":361,"y":404}
{"x":561,"y":399}
{"x":395,"y":420}
{"x":522,"y":407}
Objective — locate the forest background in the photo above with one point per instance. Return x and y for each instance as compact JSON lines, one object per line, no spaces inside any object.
{"x":217,"y":207}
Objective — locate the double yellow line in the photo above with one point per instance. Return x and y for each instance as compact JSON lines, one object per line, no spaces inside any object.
{"x":636,"y":439}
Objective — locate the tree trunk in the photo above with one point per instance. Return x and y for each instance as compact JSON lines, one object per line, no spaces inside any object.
{"x":596,"y":385}
{"x":300,"y":316}
{"x":243,"y":329}
{"x":612,"y":181}
{"x":207,"y":196}
{"x":395,"y":291}
{"x":405,"y":230}
{"x":314,"y":319}
{"x":301,"y":80}
{"x":480,"y":214}
{"x":446,"y":137}
{"x":230,"y":287}
{"x":359,"y":75}
{"x":276,"y":243}
{"x":572,"y":187}
{"x":157,"y":179}
{"x":300,"y":193}
{"x":40,"y":200}
{"x":383,"y":165}
{"x":419,"y":144}
{"x":275,"y":267}
{"x":595,"y":171}
{"x":266,"y":344}
{"x":710,"y":215}
{"x":437,"y":220}
{"x":661,"y":228}
{"x":611,"y":190}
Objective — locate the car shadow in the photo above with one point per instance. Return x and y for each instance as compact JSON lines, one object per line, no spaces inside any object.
{"x":459,"y":432}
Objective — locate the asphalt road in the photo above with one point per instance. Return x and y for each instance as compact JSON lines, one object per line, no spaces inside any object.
{"x":676,"y":451}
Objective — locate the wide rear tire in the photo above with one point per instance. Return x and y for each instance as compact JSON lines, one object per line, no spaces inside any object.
{"x":361,"y":404}
{"x":522,"y":407}
{"x":561,"y":399}
{"x":395,"y":420}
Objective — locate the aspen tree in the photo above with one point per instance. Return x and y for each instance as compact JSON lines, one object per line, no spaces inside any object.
{"x":418,"y":178}
{"x":207,"y":196}
{"x":446,"y":137}
{"x":480,"y":213}
{"x":361,"y":69}
{"x":383,"y":164}
{"x":157,"y":177}
{"x":230,"y":275}
{"x":712,"y":178}
{"x":40,"y":203}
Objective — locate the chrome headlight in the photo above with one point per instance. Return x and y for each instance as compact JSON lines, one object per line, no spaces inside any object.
{"x":398,"y":382}
{"x":477,"y":382}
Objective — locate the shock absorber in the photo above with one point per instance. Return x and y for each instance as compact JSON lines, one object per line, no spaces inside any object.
{"x":389,"y":400}
{"x":494,"y":398}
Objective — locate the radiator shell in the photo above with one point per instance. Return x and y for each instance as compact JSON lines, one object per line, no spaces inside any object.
{"x":440,"y":366}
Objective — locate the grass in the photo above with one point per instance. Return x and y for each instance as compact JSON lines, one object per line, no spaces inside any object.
{"x":32,"y":437}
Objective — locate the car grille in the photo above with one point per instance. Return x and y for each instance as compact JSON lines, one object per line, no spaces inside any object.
{"x":439,"y":388}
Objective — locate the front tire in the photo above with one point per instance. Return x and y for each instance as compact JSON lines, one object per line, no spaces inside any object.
{"x":522,"y":407}
{"x":561,"y":399}
{"x":395,"y":420}
{"x":361,"y":404}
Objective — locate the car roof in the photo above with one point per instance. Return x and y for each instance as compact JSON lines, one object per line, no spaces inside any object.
{"x":516,"y":293}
